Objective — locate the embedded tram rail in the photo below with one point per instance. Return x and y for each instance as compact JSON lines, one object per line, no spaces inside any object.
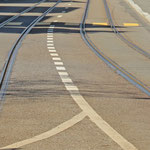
{"x":13,"y":52}
{"x":111,"y":63}
{"x":68,"y":98}
{"x":19,"y":14}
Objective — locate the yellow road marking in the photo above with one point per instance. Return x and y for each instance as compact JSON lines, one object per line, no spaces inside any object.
{"x":100,"y":24}
{"x":131,"y":24}
{"x":124,"y":24}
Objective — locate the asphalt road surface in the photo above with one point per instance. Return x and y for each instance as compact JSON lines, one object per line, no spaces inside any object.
{"x":60,"y":94}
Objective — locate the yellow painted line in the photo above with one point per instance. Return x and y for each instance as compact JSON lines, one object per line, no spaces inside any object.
{"x":100,"y":24}
{"x":131,"y":24}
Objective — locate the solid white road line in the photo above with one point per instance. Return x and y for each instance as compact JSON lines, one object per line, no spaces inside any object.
{"x":48,"y":134}
{"x":71,"y":88}
{"x":66,"y":80}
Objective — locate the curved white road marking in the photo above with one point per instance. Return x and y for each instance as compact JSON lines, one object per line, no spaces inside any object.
{"x":87,"y":111}
{"x":139,"y":10}
{"x":91,"y":113}
{"x":49,"y":133}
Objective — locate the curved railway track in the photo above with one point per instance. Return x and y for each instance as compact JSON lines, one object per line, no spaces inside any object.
{"x":21,"y":13}
{"x":125,"y":40}
{"x":13,"y":52}
{"x":106,"y":59}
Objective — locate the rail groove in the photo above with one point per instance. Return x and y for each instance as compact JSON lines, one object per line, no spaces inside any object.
{"x":106,"y":59}
{"x":21,"y":13}
{"x":114,"y":29}
{"x":12,"y":54}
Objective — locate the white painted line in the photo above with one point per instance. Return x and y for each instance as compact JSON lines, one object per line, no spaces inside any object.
{"x":55,"y":21}
{"x":63,"y":73}
{"x":59,"y":16}
{"x":102,"y":124}
{"x":56,"y":58}
{"x":146,"y":15}
{"x":62,"y":127}
{"x":66,"y":80}
{"x":50,"y":44}
{"x":94,"y":117}
{"x":52,"y":51}
{"x":53,"y":54}
{"x":58,"y":63}
{"x":71,"y":88}
{"x":51,"y":48}
{"x":60,"y":68}
{"x":69,"y":4}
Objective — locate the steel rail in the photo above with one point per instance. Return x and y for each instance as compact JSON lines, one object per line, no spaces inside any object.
{"x":114,"y":29}
{"x":119,"y":70}
{"x":12,"y":54}
{"x":21,"y":13}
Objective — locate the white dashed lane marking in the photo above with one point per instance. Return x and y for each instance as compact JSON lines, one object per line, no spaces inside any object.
{"x":52,"y":51}
{"x":87,"y":110}
{"x":63,"y":73}
{"x":96,"y":118}
{"x":58,"y":63}
{"x":56,"y":58}
{"x":66,"y":80}
{"x":51,"y":47}
{"x":60,"y":68}
{"x":50,"y":44}
{"x":53,"y":54}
